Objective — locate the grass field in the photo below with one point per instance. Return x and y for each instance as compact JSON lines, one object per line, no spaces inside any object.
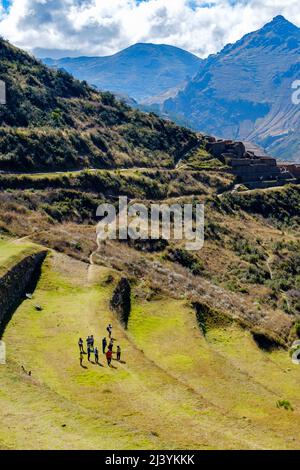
{"x":11,"y":251}
{"x":175,"y":389}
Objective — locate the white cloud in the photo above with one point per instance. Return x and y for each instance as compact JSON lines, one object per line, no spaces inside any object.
{"x":102,"y":27}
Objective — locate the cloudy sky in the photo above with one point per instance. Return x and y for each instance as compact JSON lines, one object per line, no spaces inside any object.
{"x":102,"y":27}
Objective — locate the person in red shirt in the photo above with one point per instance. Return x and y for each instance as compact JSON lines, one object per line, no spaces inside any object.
{"x":109,"y":357}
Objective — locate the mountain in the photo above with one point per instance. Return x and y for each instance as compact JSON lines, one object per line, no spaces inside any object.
{"x":140,"y":71}
{"x":52,"y":121}
{"x":244,"y":92}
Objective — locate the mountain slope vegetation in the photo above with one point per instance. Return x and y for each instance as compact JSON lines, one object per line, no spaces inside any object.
{"x":52,"y":121}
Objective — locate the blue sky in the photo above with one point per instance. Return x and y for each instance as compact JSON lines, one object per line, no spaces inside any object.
{"x":5,"y":3}
{"x":103,"y":27}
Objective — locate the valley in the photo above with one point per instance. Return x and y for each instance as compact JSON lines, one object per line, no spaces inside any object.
{"x":206,"y":350}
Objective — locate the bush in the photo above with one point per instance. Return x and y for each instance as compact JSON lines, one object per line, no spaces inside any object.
{"x":187,"y":260}
{"x":285,"y":404}
{"x":297,"y":328}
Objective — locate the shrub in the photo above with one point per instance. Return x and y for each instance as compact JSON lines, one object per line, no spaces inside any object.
{"x":285,"y":404}
{"x":297,"y":328}
{"x":187,"y":260}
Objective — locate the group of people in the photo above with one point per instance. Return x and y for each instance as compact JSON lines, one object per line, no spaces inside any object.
{"x":107,"y":348}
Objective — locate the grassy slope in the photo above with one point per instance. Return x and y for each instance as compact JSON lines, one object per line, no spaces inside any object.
{"x":135,"y":183}
{"x":225,"y":366}
{"x":12,"y":251}
{"x":176,"y":390}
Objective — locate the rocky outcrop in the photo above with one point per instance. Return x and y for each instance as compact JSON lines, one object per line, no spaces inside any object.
{"x":121,"y":301}
{"x":15,"y":283}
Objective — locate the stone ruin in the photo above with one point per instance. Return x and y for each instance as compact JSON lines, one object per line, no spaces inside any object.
{"x":249,"y":163}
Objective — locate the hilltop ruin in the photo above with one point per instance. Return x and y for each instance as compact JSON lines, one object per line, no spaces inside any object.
{"x":249,"y":163}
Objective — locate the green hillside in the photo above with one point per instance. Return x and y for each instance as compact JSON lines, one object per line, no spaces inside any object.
{"x":54,"y":122}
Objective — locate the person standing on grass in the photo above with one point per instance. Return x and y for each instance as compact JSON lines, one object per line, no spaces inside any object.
{"x":96,"y":352}
{"x":92,"y":341}
{"x":111,"y":345}
{"x":109,"y":357}
{"x":104,"y":344}
{"x":88,"y":342}
{"x":80,"y":344}
{"x":89,"y":353}
{"x":118,"y":353}
{"x":109,"y":330}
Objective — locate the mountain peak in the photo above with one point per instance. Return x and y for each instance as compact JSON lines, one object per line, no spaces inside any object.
{"x":280,"y":19}
{"x":248,"y":82}
{"x":280,"y":24}
{"x":141,"y":71}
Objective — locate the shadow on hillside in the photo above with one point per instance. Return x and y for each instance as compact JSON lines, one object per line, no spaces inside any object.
{"x":264,"y":343}
{"x":118,"y":362}
{"x":30,"y":288}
